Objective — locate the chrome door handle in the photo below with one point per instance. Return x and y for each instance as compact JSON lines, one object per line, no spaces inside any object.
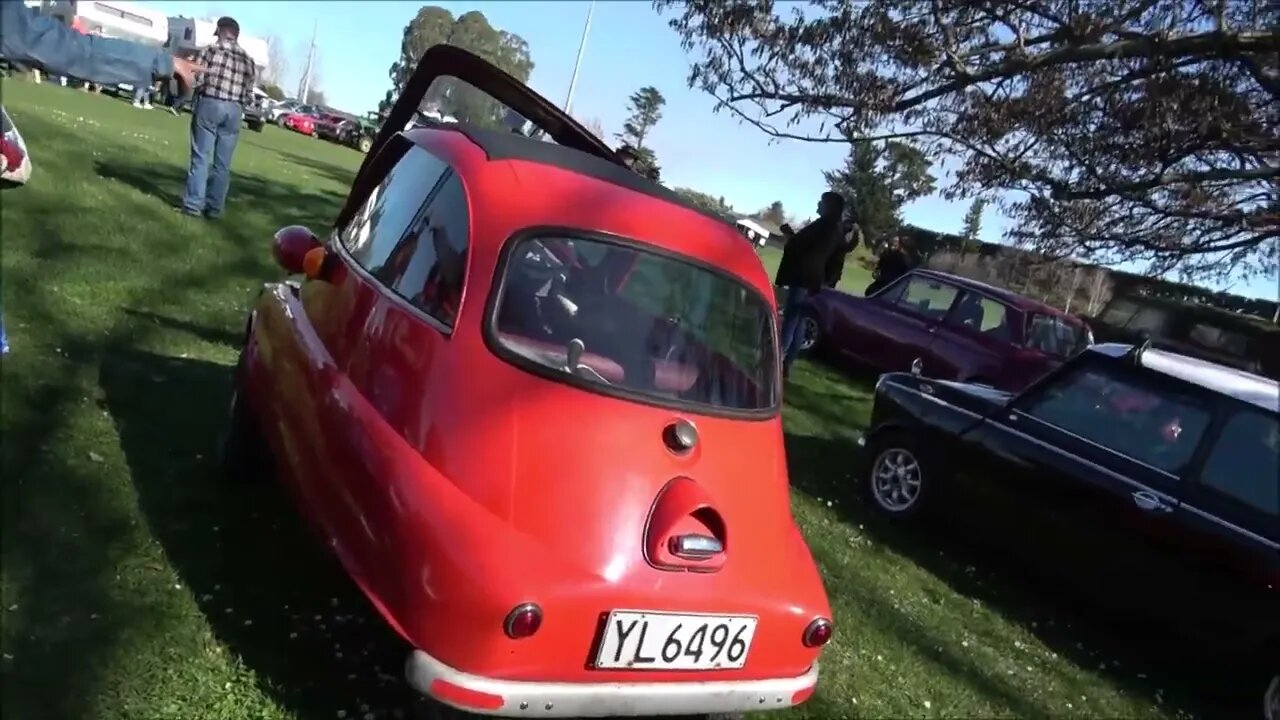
{"x":1149,"y":502}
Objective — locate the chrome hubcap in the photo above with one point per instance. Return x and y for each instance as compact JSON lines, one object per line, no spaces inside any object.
{"x":808,"y":332}
{"x":895,"y":480}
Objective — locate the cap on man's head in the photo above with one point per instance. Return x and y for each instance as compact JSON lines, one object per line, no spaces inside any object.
{"x":229,"y":24}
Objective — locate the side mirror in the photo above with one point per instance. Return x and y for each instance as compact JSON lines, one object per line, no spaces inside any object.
{"x":290,"y":246}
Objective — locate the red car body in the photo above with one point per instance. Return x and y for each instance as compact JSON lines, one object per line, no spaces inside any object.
{"x":500,"y":512}
{"x":300,"y":123}
{"x":976,"y":333}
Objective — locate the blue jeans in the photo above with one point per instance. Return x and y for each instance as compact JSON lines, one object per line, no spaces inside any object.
{"x":142,"y":93}
{"x":215,"y":128}
{"x":790,"y":338}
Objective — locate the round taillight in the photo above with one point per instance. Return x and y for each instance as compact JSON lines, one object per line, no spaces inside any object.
{"x":818,"y":633}
{"x":523,"y":621}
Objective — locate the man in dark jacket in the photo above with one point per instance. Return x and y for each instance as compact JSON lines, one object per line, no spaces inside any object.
{"x":896,"y":261}
{"x":803,"y":269}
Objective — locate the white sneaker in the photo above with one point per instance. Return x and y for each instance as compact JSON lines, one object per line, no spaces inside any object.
{"x":146,"y":105}
{"x":137,"y":104}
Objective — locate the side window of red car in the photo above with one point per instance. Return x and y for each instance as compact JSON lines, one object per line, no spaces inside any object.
{"x":391,"y":208}
{"x":428,"y":264}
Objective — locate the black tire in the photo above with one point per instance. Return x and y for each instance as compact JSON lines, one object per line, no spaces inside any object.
{"x":281,"y":123}
{"x":256,"y":126}
{"x":811,"y":332}
{"x":365,"y":144}
{"x":890,"y":492}
{"x":243,"y":452}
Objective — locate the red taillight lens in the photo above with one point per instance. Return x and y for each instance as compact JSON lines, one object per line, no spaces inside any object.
{"x":523,"y":621}
{"x":818,"y":633}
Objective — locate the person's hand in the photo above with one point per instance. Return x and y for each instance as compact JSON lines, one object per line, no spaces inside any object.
{"x":185,"y":71}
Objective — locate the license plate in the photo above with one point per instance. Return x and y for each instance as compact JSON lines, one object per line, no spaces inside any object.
{"x":668,"y":641}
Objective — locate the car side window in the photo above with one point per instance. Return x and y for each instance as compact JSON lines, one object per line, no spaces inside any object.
{"x":429,"y":263}
{"x":927,"y":296}
{"x":980,"y":314}
{"x":392,"y":206}
{"x":1128,"y":415}
{"x":1244,"y":464}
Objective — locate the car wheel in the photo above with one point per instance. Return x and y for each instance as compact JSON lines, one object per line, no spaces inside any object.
{"x":1271,"y":700}
{"x":243,"y":452}
{"x":256,"y":127}
{"x":898,"y":480}
{"x":365,"y":145}
{"x":280,"y":121}
{"x":810,"y":331}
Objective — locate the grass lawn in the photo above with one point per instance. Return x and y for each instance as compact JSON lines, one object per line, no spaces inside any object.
{"x":137,"y":585}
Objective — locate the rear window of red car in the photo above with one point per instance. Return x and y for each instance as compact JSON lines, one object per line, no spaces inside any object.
{"x":616,"y":318}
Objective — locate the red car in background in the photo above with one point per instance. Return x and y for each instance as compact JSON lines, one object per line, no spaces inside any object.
{"x":531,"y":401}
{"x":327,"y":124}
{"x":959,"y":329}
{"x":299,"y":123}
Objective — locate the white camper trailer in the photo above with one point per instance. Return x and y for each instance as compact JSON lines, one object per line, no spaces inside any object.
{"x":113,"y":18}
{"x":191,"y":35}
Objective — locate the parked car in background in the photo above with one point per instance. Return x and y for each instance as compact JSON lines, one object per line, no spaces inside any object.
{"x":1242,"y":341}
{"x":298,"y":122}
{"x":1140,"y":484}
{"x":328,"y":126}
{"x":310,"y":111}
{"x":255,"y":113}
{"x":529,"y":430}
{"x":960,"y":329}
{"x":281,"y":108}
{"x":359,"y":132}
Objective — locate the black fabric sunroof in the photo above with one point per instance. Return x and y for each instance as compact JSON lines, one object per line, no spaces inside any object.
{"x":506,"y":145}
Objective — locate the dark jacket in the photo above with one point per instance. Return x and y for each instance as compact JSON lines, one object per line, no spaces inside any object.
{"x":31,"y":38}
{"x":806,"y":254}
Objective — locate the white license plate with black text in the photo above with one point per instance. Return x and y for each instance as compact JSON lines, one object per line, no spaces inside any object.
{"x":635,"y":640}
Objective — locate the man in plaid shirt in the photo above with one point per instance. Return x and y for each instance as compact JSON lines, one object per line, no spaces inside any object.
{"x":223,"y":91}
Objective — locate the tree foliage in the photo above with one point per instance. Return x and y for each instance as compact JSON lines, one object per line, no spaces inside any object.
{"x":876,"y":180}
{"x":645,"y":108}
{"x":1129,"y":130}
{"x":973,"y":219}
{"x":277,"y":62}
{"x":275,"y":92}
{"x":702,"y":200}
{"x":773,"y":213}
{"x":471,"y":31}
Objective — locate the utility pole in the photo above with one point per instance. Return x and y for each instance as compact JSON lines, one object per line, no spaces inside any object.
{"x":582,"y":46}
{"x":304,"y":82}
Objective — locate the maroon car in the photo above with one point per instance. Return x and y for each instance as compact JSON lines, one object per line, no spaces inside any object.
{"x":959,"y":329}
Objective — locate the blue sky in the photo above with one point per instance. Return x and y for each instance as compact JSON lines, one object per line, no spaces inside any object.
{"x":629,"y":46}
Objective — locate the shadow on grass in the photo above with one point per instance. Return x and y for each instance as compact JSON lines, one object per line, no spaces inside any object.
{"x":337,"y":173}
{"x":267,"y":588}
{"x":218,"y":336}
{"x":249,"y":195}
{"x":1046,"y":578}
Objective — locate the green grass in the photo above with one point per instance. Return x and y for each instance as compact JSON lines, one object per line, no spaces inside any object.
{"x":137,"y":585}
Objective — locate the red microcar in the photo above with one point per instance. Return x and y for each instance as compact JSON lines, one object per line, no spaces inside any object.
{"x":299,"y":123}
{"x":531,"y":401}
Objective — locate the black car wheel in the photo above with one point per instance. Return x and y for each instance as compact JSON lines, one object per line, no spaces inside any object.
{"x":898,"y":479}
{"x":243,"y":452}
{"x":256,"y":126}
{"x":810,"y":331}
{"x":281,"y":122}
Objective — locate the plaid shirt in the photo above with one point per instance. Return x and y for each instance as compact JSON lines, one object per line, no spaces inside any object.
{"x":229,"y":73}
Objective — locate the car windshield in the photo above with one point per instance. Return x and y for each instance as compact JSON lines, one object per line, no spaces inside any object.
{"x":1054,"y":335}
{"x":626,"y":319}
